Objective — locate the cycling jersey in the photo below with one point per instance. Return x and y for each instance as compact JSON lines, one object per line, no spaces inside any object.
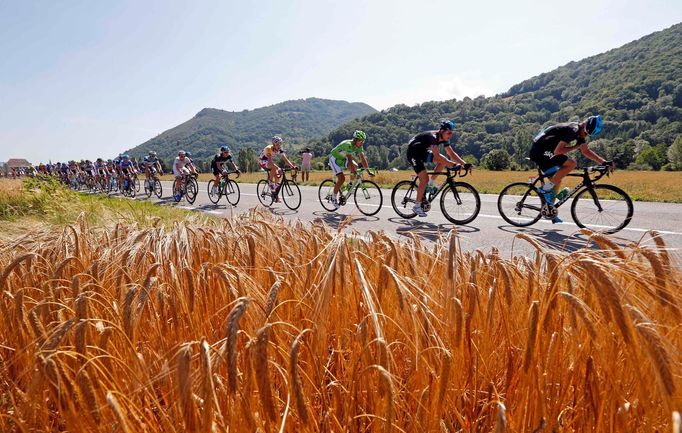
{"x":180,"y":166}
{"x":345,"y":148}
{"x":219,"y":159}
{"x":150,"y":162}
{"x":270,"y":151}
{"x":545,"y":143}
{"x":419,"y":149}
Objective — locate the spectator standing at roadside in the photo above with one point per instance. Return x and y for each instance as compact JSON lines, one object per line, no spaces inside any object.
{"x":306,"y":157}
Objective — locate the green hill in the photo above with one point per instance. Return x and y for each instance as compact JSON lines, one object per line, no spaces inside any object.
{"x":296,"y":121}
{"x":637,"y":88}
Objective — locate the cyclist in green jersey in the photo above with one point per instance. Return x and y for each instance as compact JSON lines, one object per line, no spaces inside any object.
{"x":345,"y":155}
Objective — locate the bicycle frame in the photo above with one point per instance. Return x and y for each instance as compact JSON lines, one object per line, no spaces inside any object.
{"x":587,"y":182}
{"x":451,"y":174}
{"x":284,"y":180}
{"x":349,"y":188}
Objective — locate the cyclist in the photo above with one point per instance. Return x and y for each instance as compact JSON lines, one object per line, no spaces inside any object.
{"x":151,"y":164}
{"x":344,"y":155}
{"x":549,"y":151}
{"x":265,"y":160}
{"x":220,"y":160}
{"x":127,"y":168}
{"x":423,"y":148}
{"x":182,"y":166}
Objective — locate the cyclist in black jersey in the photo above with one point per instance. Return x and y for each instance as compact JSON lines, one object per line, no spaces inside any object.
{"x":550,"y":147}
{"x":220,"y":161}
{"x":424,"y":148}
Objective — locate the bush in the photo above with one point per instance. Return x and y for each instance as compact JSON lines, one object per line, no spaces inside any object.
{"x":496,"y":160}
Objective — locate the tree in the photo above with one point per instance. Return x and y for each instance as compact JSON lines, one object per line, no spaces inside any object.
{"x":497,"y":159}
{"x":654,"y":157}
{"x":675,"y":153}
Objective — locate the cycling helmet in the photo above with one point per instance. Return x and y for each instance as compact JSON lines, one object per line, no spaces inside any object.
{"x":152,"y":153}
{"x":360,"y":135}
{"x":224,"y":149}
{"x":182,"y":153}
{"x":277,"y":140}
{"x":125,"y":156}
{"x":447,"y":124}
{"x":593,"y":125}
{"x":188,"y":154}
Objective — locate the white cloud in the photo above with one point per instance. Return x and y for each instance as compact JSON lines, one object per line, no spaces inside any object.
{"x":436,"y":88}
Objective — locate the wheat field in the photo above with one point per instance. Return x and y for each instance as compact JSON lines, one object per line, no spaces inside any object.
{"x":261,"y":326}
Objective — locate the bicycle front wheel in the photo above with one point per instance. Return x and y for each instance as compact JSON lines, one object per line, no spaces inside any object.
{"x":231,"y":191}
{"x":214,"y":191}
{"x":368,"y":197}
{"x":158,"y":189}
{"x":148,"y":187}
{"x":263,"y":192}
{"x":519,"y":204}
{"x":460,"y":203}
{"x":137,"y":184}
{"x":602,"y":208}
{"x":191,"y":192}
{"x":325,"y":194}
{"x":291,"y":194}
{"x":403,"y":198}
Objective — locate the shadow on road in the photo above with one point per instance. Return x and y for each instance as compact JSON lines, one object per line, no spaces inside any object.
{"x":554,"y":239}
{"x":426,"y":229}
{"x":334,"y":219}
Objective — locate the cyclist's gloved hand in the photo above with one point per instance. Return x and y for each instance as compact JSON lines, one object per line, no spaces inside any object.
{"x":467,"y":166}
{"x":371,"y":173}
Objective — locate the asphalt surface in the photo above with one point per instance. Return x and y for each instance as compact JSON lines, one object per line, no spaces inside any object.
{"x":488,"y":230}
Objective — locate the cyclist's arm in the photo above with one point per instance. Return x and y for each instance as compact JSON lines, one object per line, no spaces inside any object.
{"x":438,"y":157}
{"x":291,"y":164}
{"x":589,"y":153}
{"x":364,"y":160}
{"x":563,"y":147}
{"x":453,"y":155}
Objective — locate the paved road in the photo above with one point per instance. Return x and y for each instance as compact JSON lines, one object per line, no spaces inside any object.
{"x":487,"y":231}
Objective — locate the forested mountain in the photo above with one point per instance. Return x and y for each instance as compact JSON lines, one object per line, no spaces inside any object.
{"x":296,"y":121}
{"x":637,"y":88}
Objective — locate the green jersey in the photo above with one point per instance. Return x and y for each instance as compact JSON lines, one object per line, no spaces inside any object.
{"x":346,"y":147}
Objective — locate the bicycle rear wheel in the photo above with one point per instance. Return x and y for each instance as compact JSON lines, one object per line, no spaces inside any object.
{"x":325,"y":194}
{"x":519,"y":204}
{"x":263,"y":192}
{"x":461,"y":204}
{"x":291,"y":194}
{"x":403,"y":197}
{"x":604,"y":209}
{"x":368,"y":197}
{"x":231,"y":192}
{"x":214,"y":191}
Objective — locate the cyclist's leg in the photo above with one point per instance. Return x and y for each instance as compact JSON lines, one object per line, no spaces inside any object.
{"x":566,"y":165}
{"x":416,"y":159}
{"x":272,"y":173}
{"x":338,"y":171}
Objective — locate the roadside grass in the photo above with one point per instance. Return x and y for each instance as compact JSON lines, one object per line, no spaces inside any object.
{"x":658,"y":186}
{"x":46,"y":201}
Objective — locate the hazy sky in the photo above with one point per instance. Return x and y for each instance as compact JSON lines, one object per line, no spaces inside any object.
{"x":81,"y":79}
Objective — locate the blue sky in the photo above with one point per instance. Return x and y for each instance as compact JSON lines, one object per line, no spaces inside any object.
{"x":82,"y":79}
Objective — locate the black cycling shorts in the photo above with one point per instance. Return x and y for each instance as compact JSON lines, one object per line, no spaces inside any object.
{"x":416,"y":157}
{"x":545,"y":162}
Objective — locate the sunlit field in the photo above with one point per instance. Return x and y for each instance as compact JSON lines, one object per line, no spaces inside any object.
{"x":256,"y":325}
{"x":640,"y":185}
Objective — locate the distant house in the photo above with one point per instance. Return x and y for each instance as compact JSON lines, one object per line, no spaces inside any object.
{"x":15,"y":163}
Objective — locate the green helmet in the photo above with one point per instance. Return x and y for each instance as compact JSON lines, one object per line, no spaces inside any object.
{"x":360,"y":135}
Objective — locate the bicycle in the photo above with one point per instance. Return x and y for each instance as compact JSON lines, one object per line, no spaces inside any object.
{"x":227,"y":187}
{"x":521,"y":205}
{"x":188,"y":189}
{"x":459,"y":201}
{"x":366,"y":194}
{"x":128,"y":187}
{"x":291,"y":193}
{"x":153,"y":184}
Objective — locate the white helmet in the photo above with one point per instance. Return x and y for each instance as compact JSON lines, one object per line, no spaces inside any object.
{"x":277,"y":140}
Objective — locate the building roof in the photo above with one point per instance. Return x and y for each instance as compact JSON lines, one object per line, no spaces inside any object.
{"x":18,"y":163}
